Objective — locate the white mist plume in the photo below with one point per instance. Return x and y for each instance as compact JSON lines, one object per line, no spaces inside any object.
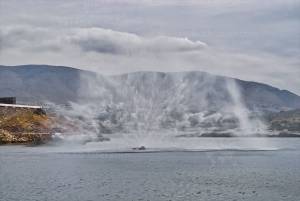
{"x":152,"y":106}
{"x":247,"y":125}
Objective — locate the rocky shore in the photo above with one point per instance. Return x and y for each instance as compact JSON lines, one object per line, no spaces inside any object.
{"x":32,"y":126}
{"x":20,"y":125}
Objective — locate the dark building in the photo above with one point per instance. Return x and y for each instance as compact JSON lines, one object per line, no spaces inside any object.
{"x":8,"y":100}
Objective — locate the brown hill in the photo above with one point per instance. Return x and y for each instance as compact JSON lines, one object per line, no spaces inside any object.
{"x":23,"y":125}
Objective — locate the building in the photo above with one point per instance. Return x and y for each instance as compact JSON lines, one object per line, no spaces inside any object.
{"x":8,"y":100}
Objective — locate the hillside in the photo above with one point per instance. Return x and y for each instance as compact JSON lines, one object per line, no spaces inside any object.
{"x":189,"y":102}
{"x":57,"y":84}
{"x":32,"y":83}
{"x":24,"y":125}
{"x":285,"y":121}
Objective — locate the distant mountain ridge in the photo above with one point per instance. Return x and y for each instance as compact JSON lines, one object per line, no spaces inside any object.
{"x":40,"y":83}
{"x":60,"y":84}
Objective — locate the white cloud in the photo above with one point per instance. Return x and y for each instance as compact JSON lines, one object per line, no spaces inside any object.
{"x":114,"y":42}
{"x":27,"y":38}
{"x":96,"y":40}
{"x":111,"y":52}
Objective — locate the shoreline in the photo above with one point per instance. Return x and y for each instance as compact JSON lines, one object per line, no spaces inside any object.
{"x":42,"y":139}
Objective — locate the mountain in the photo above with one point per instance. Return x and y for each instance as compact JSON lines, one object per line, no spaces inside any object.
{"x":59,"y":84}
{"x":38,"y":83}
{"x":193,"y":103}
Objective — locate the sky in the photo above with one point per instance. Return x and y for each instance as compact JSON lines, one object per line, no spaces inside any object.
{"x":256,"y":40}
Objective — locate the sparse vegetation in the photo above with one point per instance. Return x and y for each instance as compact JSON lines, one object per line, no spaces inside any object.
{"x":285,"y":122}
{"x":24,"y":125}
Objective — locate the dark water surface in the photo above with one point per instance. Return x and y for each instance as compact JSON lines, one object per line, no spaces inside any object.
{"x":212,"y":175}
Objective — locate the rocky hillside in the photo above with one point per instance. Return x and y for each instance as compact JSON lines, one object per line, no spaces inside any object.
{"x":23,"y":125}
{"x":285,"y":121}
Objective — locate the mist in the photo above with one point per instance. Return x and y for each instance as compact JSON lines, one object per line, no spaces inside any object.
{"x":156,"y":108}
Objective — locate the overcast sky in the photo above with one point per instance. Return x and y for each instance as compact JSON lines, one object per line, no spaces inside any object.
{"x":257,"y":40}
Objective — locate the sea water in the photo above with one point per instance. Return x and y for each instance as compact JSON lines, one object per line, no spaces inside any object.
{"x":228,"y":172}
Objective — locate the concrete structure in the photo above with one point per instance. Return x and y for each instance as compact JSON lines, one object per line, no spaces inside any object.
{"x":12,"y":102}
{"x":20,"y":106}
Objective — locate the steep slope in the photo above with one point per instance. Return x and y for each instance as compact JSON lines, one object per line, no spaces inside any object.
{"x":268,"y":98}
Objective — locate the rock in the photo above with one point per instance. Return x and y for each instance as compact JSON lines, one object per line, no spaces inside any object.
{"x":24,"y":126}
{"x":7,"y":137}
{"x":139,"y":148}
